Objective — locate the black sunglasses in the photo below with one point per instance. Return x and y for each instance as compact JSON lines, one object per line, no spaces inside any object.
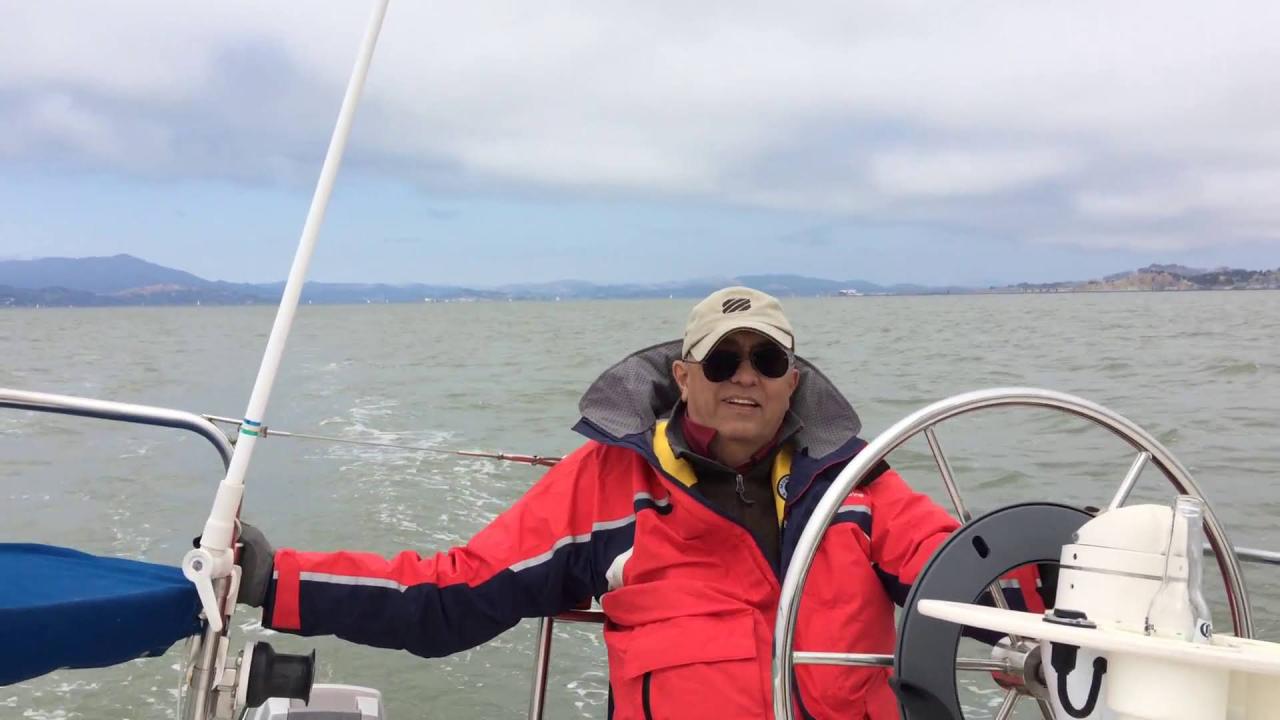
{"x":769,"y":359}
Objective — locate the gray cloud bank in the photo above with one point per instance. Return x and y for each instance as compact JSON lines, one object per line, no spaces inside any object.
{"x":1143,"y":125}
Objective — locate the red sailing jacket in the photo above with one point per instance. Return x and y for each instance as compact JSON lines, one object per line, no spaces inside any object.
{"x":689,"y":596}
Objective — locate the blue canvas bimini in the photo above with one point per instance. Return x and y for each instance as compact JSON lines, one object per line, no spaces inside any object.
{"x":62,"y":608}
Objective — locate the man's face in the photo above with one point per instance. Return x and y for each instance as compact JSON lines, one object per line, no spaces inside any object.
{"x":748,"y":407}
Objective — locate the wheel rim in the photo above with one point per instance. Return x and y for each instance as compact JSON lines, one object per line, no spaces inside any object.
{"x":923,"y":421}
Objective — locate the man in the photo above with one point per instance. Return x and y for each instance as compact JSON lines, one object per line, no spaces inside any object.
{"x":705,"y":457}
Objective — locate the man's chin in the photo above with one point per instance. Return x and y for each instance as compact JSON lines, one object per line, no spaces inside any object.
{"x":738,"y":434}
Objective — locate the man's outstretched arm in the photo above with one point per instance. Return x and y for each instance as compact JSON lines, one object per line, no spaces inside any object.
{"x":544,"y":555}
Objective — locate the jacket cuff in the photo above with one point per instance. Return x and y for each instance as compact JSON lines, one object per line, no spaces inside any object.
{"x":281,"y":609}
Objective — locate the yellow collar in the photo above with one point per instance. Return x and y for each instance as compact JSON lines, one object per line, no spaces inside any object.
{"x":682,"y":470}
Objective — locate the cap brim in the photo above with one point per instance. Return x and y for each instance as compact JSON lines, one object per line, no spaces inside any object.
{"x":702,"y":347}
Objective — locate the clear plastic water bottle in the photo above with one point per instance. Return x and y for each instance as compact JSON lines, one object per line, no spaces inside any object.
{"x":1178,"y":609}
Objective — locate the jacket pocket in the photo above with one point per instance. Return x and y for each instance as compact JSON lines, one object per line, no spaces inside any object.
{"x":701,"y":666}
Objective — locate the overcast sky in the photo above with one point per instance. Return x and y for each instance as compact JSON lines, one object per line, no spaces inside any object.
{"x":969,"y":143}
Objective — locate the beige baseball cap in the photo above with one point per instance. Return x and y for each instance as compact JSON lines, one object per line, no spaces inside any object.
{"x":734,"y":308}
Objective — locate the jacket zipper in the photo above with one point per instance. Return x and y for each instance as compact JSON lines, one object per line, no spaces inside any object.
{"x":644,"y":696}
{"x":774,"y":574}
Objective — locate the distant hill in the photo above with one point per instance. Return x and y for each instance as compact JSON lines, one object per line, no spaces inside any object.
{"x":355,"y":293}
{"x":777,"y":284}
{"x":1156,"y":268}
{"x":127,"y":280}
{"x":1161,"y":278}
{"x":101,"y":275}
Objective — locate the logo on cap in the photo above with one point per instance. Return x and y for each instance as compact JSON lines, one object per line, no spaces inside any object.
{"x":735,"y":305}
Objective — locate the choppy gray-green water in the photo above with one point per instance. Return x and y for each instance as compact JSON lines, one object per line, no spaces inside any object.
{"x":1199,"y":370}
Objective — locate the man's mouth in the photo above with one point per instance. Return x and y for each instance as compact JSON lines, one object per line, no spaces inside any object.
{"x":742,"y":402}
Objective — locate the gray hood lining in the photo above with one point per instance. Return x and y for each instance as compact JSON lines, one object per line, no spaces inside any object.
{"x":631,"y":396}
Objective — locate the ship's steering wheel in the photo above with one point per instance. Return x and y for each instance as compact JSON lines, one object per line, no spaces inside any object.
{"x":1014,"y":659}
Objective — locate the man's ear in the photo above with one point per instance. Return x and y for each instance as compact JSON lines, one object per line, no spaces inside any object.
{"x":680,"y":372}
{"x":794,"y":380}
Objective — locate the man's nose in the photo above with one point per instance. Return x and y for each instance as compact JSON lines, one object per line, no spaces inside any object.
{"x":746,"y":373}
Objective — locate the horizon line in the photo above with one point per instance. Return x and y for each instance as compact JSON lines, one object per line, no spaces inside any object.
{"x":649,"y":284}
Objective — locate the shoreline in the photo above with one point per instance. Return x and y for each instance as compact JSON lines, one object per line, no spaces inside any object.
{"x":269,"y":303}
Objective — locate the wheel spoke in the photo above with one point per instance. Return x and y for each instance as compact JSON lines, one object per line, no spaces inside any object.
{"x":1130,"y":480}
{"x":980,"y":665}
{"x":801,"y":657}
{"x":948,"y":478}
{"x":997,"y":596}
{"x":850,"y":659}
{"x":953,"y":489}
{"x":1006,"y":708}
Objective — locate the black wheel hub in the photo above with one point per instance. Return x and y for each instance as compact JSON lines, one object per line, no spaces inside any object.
{"x":961,"y":571}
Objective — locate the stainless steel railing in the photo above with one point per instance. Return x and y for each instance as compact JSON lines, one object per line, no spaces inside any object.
{"x":119,"y":411}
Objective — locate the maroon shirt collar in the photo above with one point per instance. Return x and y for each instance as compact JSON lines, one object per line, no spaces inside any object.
{"x":699,"y":438}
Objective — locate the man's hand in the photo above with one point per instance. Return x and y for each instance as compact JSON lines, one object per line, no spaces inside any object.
{"x":257,"y":561}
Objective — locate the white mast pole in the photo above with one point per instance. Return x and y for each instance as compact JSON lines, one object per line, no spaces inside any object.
{"x":215,"y":557}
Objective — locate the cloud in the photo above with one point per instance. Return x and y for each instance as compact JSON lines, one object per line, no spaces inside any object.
{"x":817,"y":236}
{"x":1119,"y":118}
{"x":1140,"y":205}
{"x":1199,"y":210}
{"x":1154,"y":242}
{"x":55,"y":118}
{"x":950,"y":173}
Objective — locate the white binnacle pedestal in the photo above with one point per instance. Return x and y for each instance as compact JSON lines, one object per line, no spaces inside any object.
{"x":1152,"y":678}
{"x":1110,"y":573}
{"x":1254,"y":696}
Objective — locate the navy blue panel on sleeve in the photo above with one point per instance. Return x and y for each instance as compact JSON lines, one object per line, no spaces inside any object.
{"x":434,"y":621}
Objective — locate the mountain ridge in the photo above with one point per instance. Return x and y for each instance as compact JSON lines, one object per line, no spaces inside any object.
{"x":124,"y":279}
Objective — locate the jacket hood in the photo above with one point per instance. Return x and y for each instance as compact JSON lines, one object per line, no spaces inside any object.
{"x":630,"y":397}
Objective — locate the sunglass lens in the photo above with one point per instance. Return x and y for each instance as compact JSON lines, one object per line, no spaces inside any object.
{"x":770,"y":360}
{"x":720,"y":365}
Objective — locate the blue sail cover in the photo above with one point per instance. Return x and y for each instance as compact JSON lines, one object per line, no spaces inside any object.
{"x":62,"y":608}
